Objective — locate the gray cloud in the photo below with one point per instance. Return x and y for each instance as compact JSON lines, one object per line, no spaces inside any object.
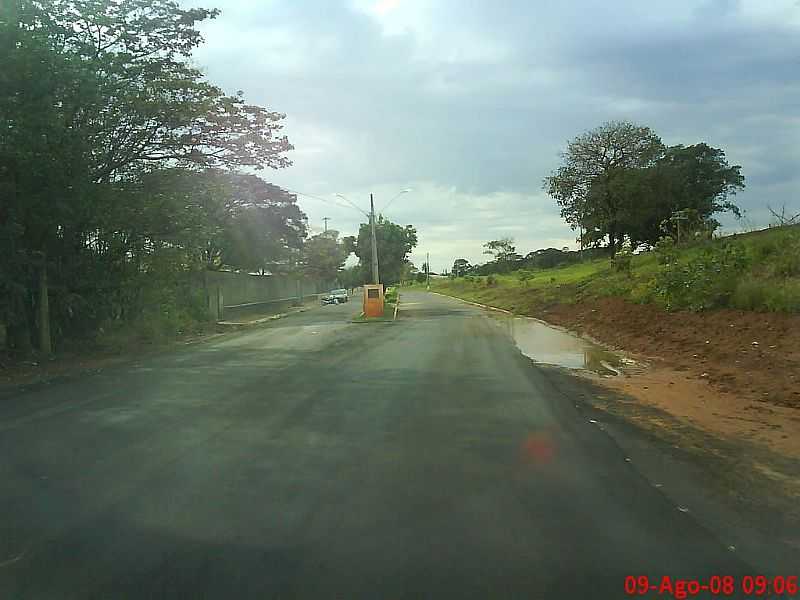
{"x":470,"y":103}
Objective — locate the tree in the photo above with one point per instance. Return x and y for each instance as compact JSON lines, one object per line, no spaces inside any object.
{"x":395,"y":242}
{"x":782,"y":219}
{"x":547,"y":258}
{"x":95,"y":96}
{"x":264,"y":227}
{"x":409,"y":272}
{"x":584,"y":186}
{"x":351,"y":277}
{"x":504,"y":253}
{"x":461,"y":267}
{"x":696,"y":180}
{"x":324,"y":255}
{"x":500,"y":249}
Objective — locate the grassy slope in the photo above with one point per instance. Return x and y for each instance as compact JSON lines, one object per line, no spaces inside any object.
{"x":764,"y":285}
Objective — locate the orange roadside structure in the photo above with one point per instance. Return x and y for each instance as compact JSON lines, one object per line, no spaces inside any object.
{"x":373,"y":300}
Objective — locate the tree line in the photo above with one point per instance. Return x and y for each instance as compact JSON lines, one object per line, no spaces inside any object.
{"x":123,"y":170}
{"x":620,"y":186}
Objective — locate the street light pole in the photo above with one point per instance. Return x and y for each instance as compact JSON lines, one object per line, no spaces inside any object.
{"x":371,"y":216}
{"x":428,"y":270}
{"x":374,"y":240}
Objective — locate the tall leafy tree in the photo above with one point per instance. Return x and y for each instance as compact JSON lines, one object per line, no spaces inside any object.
{"x":324,"y":255}
{"x":94,"y":95}
{"x":584,"y":186}
{"x":461,"y":267}
{"x":504,"y":253}
{"x":265,"y":228}
{"x":696,"y":178}
{"x":395,"y":243}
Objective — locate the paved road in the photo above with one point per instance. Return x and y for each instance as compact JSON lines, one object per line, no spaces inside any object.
{"x":317,"y":458}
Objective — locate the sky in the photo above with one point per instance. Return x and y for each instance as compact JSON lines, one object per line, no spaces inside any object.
{"x":469,"y":103}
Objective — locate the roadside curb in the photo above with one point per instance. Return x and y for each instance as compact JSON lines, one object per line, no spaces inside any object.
{"x":261,"y":320}
{"x":486,"y":306}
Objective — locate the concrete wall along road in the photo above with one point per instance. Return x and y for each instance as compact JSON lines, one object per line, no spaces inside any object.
{"x":240,"y":294}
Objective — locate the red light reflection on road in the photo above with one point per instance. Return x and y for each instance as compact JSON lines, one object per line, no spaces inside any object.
{"x":538,"y":448}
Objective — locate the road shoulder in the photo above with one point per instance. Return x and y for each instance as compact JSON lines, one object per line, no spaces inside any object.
{"x":744,"y":454}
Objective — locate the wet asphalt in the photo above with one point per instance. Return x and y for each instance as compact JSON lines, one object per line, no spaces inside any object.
{"x":319,"y":458}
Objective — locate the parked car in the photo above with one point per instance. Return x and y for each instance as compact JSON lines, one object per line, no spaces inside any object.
{"x":335,"y":297}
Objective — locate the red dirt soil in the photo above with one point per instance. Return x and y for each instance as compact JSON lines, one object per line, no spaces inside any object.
{"x":755,"y":356}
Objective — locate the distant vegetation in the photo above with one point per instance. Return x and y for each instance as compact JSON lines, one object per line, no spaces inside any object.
{"x":645,"y":213}
{"x":757,"y":271}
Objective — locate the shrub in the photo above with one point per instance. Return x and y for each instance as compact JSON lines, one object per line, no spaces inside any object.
{"x":524,"y":277}
{"x":643,"y":293}
{"x":707,"y":281}
{"x":750,"y":294}
{"x":786,"y":263}
{"x":622,"y":261}
{"x":491,"y":281}
{"x":784,"y":297}
{"x":665,"y":250}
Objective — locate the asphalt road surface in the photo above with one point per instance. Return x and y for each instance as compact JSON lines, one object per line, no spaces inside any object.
{"x":319,"y":458}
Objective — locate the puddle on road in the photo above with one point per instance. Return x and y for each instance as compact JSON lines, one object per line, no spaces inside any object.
{"x":545,"y":344}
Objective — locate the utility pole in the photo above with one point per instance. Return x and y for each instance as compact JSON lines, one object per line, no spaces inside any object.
{"x":374,"y":241}
{"x":326,"y":219}
{"x":428,"y":269}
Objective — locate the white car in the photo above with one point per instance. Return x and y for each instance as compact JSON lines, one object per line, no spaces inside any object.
{"x":335,"y":297}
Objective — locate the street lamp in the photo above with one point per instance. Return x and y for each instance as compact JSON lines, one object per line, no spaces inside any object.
{"x":400,"y":193}
{"x":371,"y":216}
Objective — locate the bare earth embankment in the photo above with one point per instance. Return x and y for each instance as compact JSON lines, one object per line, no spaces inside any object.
{"x":733,"y":373}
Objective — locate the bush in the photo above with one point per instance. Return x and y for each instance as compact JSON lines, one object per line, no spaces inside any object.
{"x":666,"y":250}
{"x":750,"y":294}
{"x":764,"y":295}
{"x":643,"y":293}
{"x":524,"y":277}
{"x":622,"y":261}
{"x":491,"y":281}
{"x":787,"y":261}
{"x":784,"y":297}
{"x":708,"y":281}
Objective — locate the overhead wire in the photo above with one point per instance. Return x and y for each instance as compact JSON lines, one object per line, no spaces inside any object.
{"x":320,"y":198}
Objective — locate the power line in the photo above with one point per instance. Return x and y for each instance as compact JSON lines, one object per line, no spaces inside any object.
{"x":320,"y":198}
{"x":393,"y":199}
{"x":353,"y":205}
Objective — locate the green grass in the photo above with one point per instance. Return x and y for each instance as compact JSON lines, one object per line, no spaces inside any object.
{"x":768,"y":280}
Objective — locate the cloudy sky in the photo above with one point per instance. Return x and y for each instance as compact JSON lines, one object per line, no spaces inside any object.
{"x":468,"y":103}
